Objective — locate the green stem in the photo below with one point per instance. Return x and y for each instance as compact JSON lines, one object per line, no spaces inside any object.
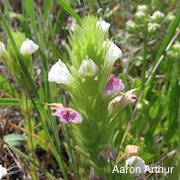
{"x":144,"y":64}
{"x":99,"y":3}
{"x":66,"y":132}
{"x":179,"y":133}
{"x":28,"y":124}
{"x":91,"y":5}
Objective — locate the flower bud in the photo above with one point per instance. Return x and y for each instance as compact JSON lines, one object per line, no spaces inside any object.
{"x":171,"y":55}
{"x":131,"y":27}
{"x":153,"y":28}
{"x":122,"y":101}
{"x":88,"y":68}
{"x":103,"y":25}
{"x":113,"y":53}
{"x":140,"y":18}
{"x":3,"y":171}
{"x":28,"y":47}
{"x":59,"y":74}
{"x":113,"y":86}
{"x":142,"y":8}
{"x":138,"y":163}
{"x":171,"y":18}
{"x":176,"y":47}
{"x":157,"y":17}
{"x":2,"y":48}
{"x":67,"y":115}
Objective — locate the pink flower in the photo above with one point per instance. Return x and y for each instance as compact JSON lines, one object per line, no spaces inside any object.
{"x":67,"y":115}
{"x":113,"y":86}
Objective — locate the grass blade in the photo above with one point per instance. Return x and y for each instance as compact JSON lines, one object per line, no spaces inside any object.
{"x":70,"y":11}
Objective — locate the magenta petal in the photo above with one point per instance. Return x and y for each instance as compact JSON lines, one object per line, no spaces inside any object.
{"x":67,"y":115}
{"x":113,"y":86}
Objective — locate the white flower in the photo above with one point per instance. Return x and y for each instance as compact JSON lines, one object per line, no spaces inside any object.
{"x":103,"y":25}
{"x":2,"y":48}
{"x":137,"y":163}
{"x":28,"y":47}
{"x":59,"y":73}
{"x":88,"y":68}
{"x":113,"y":53}
{"x":3,"y":171}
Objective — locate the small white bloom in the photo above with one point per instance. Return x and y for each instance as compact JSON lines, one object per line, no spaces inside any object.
{"x":113,"y":53}
{"x":137,"y":163}
{"x":2,"y":48}
{"x":88,"y":67}
{"x":59,"y":73}
{"x":103,"y":25}
{"x":28,"y":46}
{"x":3,"y":171}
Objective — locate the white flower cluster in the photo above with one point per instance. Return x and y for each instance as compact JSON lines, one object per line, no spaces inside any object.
{"x":60,"y":74}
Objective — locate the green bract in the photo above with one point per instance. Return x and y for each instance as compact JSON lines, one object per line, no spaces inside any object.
{"x":87,"y":40}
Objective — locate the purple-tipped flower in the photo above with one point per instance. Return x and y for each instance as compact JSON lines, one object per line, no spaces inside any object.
{"x":67,"y":115}
{"x":123,"y":100}
{"x":113,"y":86}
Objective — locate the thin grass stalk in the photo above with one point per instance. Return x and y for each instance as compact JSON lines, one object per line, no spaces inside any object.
{"x":70,"y":148}
{"x":48,"y":90}
{"x":91,"y":5}
{"x":30,"y":9}
{"x":179,"y":135}
{"x":144,"y":64}
{"x":29,"y":126}
{"x":70,"y":10}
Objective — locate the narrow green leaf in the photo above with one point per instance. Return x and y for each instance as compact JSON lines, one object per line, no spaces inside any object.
{"x":49,"y":176}
{"x":30,"y":9}
{"x":14,"y":140}
{"x":70,"y":11}
{"x":9,"y":102}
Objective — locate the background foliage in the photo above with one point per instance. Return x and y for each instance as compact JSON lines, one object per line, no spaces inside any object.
{"x":149,"y":62}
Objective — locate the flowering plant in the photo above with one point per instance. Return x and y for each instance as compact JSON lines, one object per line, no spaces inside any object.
{"x":94,"y":92}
